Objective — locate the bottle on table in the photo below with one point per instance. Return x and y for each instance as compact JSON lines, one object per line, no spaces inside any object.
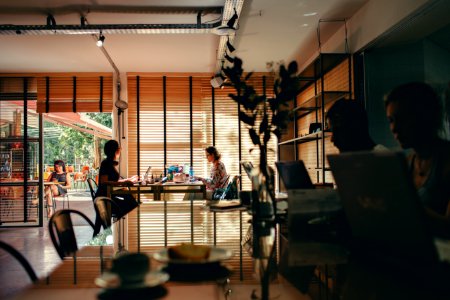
{"x":191,"y":174}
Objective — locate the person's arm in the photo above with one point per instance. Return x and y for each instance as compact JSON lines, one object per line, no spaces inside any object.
{"x":50,"y":177}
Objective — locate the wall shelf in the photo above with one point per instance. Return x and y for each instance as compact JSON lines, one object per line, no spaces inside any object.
{"x":306,"y":138}
{"x":310,"y":105}
{"x":329,"y":79}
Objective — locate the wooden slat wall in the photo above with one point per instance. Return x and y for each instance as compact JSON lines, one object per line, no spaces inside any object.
{"x":151,"y":137}
{"x":152,"y":237}
{"x":88,"y":92}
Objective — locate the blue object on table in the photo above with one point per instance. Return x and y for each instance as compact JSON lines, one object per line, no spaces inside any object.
{"x":191,"y":174}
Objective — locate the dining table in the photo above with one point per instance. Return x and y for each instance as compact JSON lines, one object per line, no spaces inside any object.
{"x":77,"y":278}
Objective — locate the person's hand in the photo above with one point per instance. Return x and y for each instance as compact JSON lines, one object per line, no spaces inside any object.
{"x":133,"y":179}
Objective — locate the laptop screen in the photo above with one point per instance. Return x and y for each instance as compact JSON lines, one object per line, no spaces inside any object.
{"x":294,"y":175}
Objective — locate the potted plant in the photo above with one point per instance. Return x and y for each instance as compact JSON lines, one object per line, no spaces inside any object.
{"x":265,"y":117}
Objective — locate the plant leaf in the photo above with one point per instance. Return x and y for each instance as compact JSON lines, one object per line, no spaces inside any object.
{"x":254,"y":136}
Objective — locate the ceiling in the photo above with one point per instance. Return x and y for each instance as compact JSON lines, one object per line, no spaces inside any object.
{"x":267,"y":31}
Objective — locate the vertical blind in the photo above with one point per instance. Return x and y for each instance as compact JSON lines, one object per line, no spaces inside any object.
{"x":76,"y":92}
{"x":177,"y":92}
{"x":159,"y":125}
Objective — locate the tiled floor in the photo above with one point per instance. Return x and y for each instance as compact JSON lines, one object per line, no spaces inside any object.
{"x":35,"y":244}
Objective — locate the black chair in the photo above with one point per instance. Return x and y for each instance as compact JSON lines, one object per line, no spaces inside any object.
{"x":93,"y":189}
{"x":107,"y":209}
{"x":23,"y":261}
{"x":61,"y":231}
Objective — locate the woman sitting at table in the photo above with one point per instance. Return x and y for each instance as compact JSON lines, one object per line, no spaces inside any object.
{"x":62,"y":183}
{"x":108,"y":175}
{"x":218,"y":174}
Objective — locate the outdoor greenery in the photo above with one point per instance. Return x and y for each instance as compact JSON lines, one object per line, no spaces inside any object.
{"x":72,"y":146}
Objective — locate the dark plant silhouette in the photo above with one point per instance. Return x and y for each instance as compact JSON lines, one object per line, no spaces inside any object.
{"x":263,"y":115}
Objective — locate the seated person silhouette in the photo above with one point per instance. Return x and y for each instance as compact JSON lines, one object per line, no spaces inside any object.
{"x":108,"y":174}
{"x":416,"y":119}
{"x":348,"y":123}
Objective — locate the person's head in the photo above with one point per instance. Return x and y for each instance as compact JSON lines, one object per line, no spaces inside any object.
{"x":59,"y":166}
{"x":112,"y":149}
{"x":212,"y":154}
{"x":349,"y":126}
{"x":414,"y":114}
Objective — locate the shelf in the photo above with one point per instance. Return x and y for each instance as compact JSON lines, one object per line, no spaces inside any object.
{"x":313,"y":71}
{"x":306,"y":138}
{"x":19,"y":139}
{"x":309,"y":105}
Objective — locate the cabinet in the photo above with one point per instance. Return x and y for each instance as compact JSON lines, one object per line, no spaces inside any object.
{"x":19,"y":197}
{"x":327,"y":79}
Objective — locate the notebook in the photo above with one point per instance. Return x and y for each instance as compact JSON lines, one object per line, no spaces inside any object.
{"x":294,"y":175}
{"x":382,"y":206}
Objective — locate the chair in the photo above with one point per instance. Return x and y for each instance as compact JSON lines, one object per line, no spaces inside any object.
{"x":80,"y":179}
{"x":93,"y":188}
{"x":61,"y":231}
{"x":104,"y":206}
{"x":22,"y":260}
{"x":63,"y":197}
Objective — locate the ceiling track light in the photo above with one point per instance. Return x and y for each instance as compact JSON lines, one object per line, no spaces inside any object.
{"x":217,"y":81}
{"x":51,"y":20}
{"x":229,"y":46}
{"x":101,"y":40}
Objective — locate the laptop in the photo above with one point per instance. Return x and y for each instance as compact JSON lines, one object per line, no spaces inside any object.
{"x":294,"y":175}
{"x":144,"y":179}
{"x":382,"y":206}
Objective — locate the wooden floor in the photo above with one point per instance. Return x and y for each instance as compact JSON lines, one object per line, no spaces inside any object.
{"x":35,"y":244}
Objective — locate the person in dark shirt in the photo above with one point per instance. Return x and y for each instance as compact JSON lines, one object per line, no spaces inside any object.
{"x":60,"y":177}
{"x":108,"y":175}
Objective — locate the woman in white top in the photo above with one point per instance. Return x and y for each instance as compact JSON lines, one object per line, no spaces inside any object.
{"x":218,"y":175}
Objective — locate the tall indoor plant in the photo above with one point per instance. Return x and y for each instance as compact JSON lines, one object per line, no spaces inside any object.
{"x":264,"y":117}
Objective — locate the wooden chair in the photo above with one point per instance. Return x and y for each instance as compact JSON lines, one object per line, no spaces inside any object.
{"x":22,"y":260}
{"x":61,"y":231}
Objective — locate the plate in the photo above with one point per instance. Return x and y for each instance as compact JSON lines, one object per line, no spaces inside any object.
{"x":216,"y":255}
{"x":111,"y":280}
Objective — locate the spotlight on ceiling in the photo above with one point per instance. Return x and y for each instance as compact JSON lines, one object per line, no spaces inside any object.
{"x":51,"y":20}
{"x":101,"y":40}
{"x":229,"y":28}
{"x":229,"y":46}
{"x":217,"y":81}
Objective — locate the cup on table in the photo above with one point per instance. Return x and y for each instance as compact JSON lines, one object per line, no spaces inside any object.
{"x":131,"y":268}
{"x":55,"y":180}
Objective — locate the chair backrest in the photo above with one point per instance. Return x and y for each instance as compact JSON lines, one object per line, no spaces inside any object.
{"x":231,"y":191}
{"x":23,"y":261}
{"x":92,"y":187}
{"x":104,"y":209}
{"x":61,"y":231}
